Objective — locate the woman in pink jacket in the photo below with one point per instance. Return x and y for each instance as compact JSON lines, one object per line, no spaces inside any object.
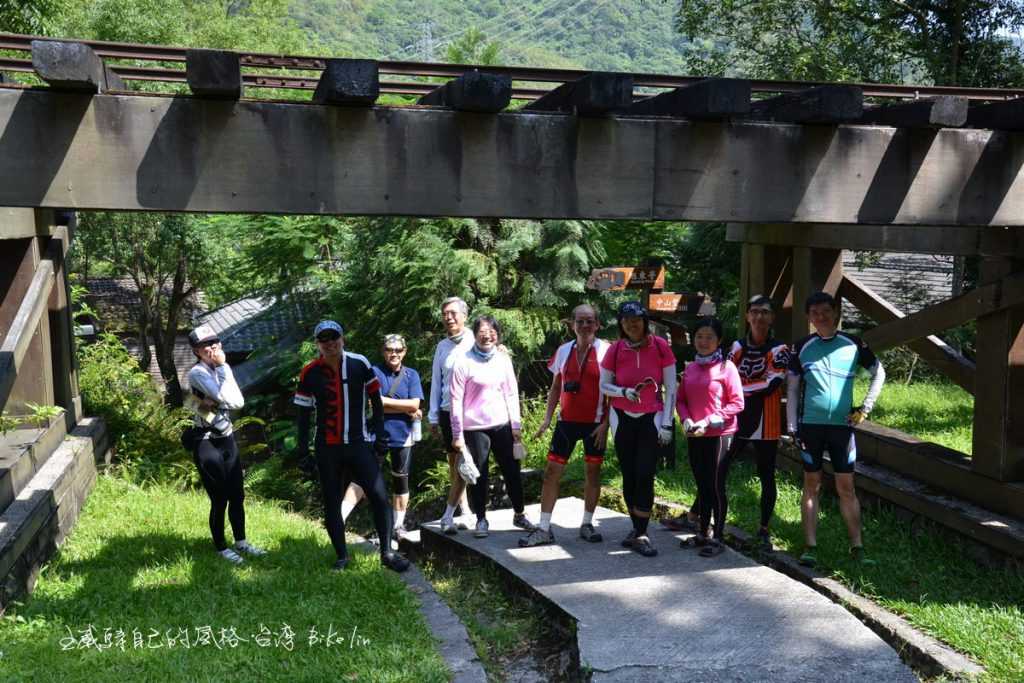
{"x":709,"y":401}
{"x":485,"y":417}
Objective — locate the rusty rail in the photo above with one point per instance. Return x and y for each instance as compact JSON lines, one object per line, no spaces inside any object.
{"x":250,"y":60}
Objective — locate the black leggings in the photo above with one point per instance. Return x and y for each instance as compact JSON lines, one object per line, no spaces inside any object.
{"x":765,"y":451}
{"x":636,"y":445}
{"x":220,"y":469}
{"x":360,"y":464}
{"x":709,"y":459}
{"x":480,"y":442}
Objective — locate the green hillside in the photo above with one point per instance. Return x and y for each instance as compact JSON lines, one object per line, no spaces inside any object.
{"x":614,"y":35}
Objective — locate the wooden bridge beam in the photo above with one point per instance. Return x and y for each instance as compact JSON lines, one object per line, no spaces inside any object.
{"x":922,"y":239}
{"x":135,"y":152}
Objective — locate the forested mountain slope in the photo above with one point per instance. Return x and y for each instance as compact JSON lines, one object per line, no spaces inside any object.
{"x":614,"y":35}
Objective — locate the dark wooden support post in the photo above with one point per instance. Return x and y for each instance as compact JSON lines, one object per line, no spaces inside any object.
{"x":999,"y":393}
{"x":710,"y":99}
{"x":813,"y":270}
{"x":352,"y":82}
{"x":928,"y":112}
{"x":62,"y":337}
{"x":595,"y":94}
{"x":472,"y":91}
{"x":821,"y":104}
{"x":214,"y":73}
{"x":72,"y":66}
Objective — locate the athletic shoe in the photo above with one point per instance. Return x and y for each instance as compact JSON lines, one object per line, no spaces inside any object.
{"x":713,"y":548}
{"x":589,"y":534}
{"x":394,"y":561}
{"x":448,"y":527}
{"x":231,"y":556}
{"x":537,"y":537}
{"x":858,"y":556}
{"x":250,"y":549}
{"x":680,"y":523}
{"x":340,"y":564}
{"x":764,"y":541}
{"x":808,"y":559}
{"x":523,"y":522}
{"x":482,"y":529}
{"x":461,"y":526}
{"x":696,"y":541}
{"x":630,"y":539}
{"x":642,"y":545}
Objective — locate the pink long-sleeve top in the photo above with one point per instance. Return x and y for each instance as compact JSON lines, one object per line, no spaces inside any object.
{"x":484,"y":394}
{"x":712,"y":389}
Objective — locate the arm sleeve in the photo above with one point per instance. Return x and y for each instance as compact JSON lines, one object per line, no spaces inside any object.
{"x":792,"y":399}
{"x":456,"y":388}
{"x":302,"y":430}
{"x":223,"y":389}
{"x":435,"y":388}
{"x":608,"y":386}
{"x":377,"y":416}
{"x":512,"y":396}
{"x":668,"y":380}
{"x":230,"y":396}
{"x":875,"y":388}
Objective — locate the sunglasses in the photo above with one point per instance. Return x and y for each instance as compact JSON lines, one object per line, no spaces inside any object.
{"x":334,"y":336}
{"x":393,"y":350}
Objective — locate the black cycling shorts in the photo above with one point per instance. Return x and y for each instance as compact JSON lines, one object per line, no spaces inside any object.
{"x":567,"y":435}
{"x":838,"y":440}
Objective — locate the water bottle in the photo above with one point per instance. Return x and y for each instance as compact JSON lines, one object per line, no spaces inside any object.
{"x":417,"y":430}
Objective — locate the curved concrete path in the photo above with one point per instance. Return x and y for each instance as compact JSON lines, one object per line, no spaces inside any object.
{"x":681,"y":617}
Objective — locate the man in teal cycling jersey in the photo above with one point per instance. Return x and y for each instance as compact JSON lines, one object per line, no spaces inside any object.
{"x":821,"y":415}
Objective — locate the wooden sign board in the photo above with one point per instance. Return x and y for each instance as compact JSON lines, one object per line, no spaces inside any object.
{"x":691,"y":303}
{"x":666,"y":302}
{"x":617,"y":279}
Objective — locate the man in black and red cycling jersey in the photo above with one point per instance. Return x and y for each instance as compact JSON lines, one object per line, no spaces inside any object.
{"x":338,"y":384}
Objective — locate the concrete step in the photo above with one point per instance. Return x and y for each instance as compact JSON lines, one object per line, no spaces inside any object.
{"x":22,"y":453}
{"x":44,"y":511}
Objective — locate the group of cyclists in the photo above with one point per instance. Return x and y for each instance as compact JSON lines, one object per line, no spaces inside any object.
{"x":728,"y":397}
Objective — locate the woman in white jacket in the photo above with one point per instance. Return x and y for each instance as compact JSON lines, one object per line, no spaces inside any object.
{"x":216,"y":453}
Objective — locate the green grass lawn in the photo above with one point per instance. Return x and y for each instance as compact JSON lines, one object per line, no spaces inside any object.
{"x":942,"y":413}
{"x":138,"y":594}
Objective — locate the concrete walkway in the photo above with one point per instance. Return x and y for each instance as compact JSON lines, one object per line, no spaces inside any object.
{"x":681,"y":617}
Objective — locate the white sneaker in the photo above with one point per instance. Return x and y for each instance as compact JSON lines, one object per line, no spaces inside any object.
{"x":482,"y":529}
{"x":231,"y":556}
{"x":249,"y":549}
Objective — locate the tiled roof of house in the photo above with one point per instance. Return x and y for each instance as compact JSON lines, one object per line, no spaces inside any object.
{"x":247,"y":324}
{"x":908,"y":281}
{"x":116,"y":301}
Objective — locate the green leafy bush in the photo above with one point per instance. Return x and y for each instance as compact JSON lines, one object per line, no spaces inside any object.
{"x":144,"y":431}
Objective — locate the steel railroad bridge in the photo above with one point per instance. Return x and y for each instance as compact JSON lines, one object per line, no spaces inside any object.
{"x":799,"y":171}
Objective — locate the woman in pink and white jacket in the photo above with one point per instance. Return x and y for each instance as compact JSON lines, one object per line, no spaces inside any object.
{"x":485,"y":416}
{"x":709,"y":401}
